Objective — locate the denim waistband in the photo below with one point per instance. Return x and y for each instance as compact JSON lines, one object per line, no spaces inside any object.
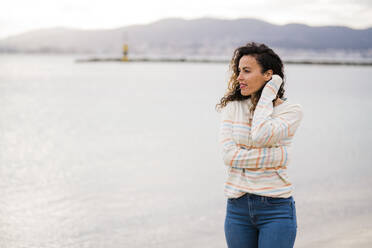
{"x":258,"y":197}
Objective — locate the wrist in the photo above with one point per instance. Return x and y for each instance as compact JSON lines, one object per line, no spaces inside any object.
{"x":275,"y":81}
{"x":272,"y":87}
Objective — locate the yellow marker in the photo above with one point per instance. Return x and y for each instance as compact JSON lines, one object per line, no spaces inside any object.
{"x":125,"y":53}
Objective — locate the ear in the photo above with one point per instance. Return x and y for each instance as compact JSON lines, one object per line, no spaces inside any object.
{"x":268,"y":74}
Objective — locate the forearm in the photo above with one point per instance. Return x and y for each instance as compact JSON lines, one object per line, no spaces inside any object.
{"x":267,"y":130}
{"x":253,"y":158}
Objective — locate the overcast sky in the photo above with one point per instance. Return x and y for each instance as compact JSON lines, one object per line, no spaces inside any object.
{"x":17,"y":16}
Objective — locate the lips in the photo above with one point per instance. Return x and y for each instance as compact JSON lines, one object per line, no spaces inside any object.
{"x":242,"y":86}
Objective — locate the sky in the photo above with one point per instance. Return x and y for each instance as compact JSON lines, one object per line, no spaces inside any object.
{"x":18,"y":16}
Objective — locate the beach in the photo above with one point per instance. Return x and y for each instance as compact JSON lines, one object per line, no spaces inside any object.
{"x":126,"y":154}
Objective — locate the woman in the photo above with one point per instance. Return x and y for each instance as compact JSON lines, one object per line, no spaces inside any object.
{"x":257,"y":128}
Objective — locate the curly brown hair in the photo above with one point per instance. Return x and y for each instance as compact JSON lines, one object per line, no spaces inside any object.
{"x":266,"y":58}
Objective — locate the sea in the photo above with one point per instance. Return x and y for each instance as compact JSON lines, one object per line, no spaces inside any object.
{"x":110,"y":154}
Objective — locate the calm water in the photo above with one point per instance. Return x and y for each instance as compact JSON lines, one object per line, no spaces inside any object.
{"x":126,"y":155}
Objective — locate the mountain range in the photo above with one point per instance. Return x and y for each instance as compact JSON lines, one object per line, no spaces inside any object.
{"x":197,"y":37}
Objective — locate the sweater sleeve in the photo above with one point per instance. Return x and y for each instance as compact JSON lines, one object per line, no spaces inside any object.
{"x":268,"y":130}
{"x":240,"y":157}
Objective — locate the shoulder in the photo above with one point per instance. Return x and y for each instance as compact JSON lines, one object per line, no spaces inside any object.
{"x":229,"y":111}
{"x":230,"y":106}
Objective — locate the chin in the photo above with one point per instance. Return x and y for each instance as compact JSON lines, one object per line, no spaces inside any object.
{"x":245,"y":93}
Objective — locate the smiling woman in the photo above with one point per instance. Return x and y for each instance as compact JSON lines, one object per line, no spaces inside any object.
{"x":258,"y":125}
{"x":252,"y":66}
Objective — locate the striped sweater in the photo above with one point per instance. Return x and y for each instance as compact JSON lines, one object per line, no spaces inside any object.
{"x":256,"y":152}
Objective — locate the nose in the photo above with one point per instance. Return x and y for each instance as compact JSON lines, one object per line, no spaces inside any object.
{"x":239,"y":77}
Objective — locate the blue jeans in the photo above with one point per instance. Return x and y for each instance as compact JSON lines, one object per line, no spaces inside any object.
{"x":259,"y":221}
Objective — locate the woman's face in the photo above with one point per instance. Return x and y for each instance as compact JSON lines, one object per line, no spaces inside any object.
{"x":250,"y":77}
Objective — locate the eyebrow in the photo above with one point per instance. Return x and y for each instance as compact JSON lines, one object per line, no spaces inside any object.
{"x":245,"y":67}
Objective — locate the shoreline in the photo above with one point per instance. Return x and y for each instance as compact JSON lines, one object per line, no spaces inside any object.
{"x":185,"y":60}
